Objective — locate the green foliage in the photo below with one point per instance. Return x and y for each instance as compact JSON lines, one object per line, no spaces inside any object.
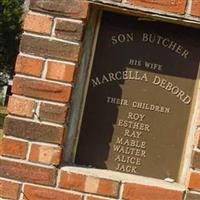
{"x":10,"y":30}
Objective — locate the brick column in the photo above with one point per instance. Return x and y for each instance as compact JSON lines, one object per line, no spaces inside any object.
{"x":193,"y":181}
{"x":42,"y":87}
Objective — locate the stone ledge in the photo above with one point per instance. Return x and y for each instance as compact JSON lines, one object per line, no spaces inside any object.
{"x":124,"y":178}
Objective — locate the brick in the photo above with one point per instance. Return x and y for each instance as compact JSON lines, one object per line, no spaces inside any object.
{"x":1,"y":149}
{"x":195,"y":8}
{"x":14,"y":148}
{"x":29,"y":66}
{"x":50,"y":48}
{"x":68,"y":30}
{"x":198,"y":121}
{"x":53,"y":113}
{"x":108,"y":188}
{"x":144,"y":192}
{"x":174,"y":6}
{"x":39,"y":193}
{"x":197,"y":139}
{"x":38,"y":23}
{"x":192,"y":196}
{"x":41,"y":89}
{"x":60,"y":71}
{"x":33,"y":130}
{"x":21,"y":107}
{"x":194,"y":181}
{"x":68,"y":8}
{"x":94,"y":198}
{"x":196,"y":159}
{"x":72,"y":181}
{"x":45,"y":154}
{"x":27,"y":173}
{"x":89,"y":184}
{"x":9,"y":190}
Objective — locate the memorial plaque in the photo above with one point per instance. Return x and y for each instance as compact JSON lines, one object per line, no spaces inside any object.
{"x":139,"y":97}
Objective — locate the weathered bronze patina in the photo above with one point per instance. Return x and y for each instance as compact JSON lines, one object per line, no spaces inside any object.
{"x":139,"y":98}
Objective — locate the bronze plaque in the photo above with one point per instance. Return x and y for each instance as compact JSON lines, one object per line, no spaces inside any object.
{"x":139,"y":97}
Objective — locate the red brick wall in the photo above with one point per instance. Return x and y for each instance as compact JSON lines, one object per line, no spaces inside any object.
{"x":46,"y":68}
